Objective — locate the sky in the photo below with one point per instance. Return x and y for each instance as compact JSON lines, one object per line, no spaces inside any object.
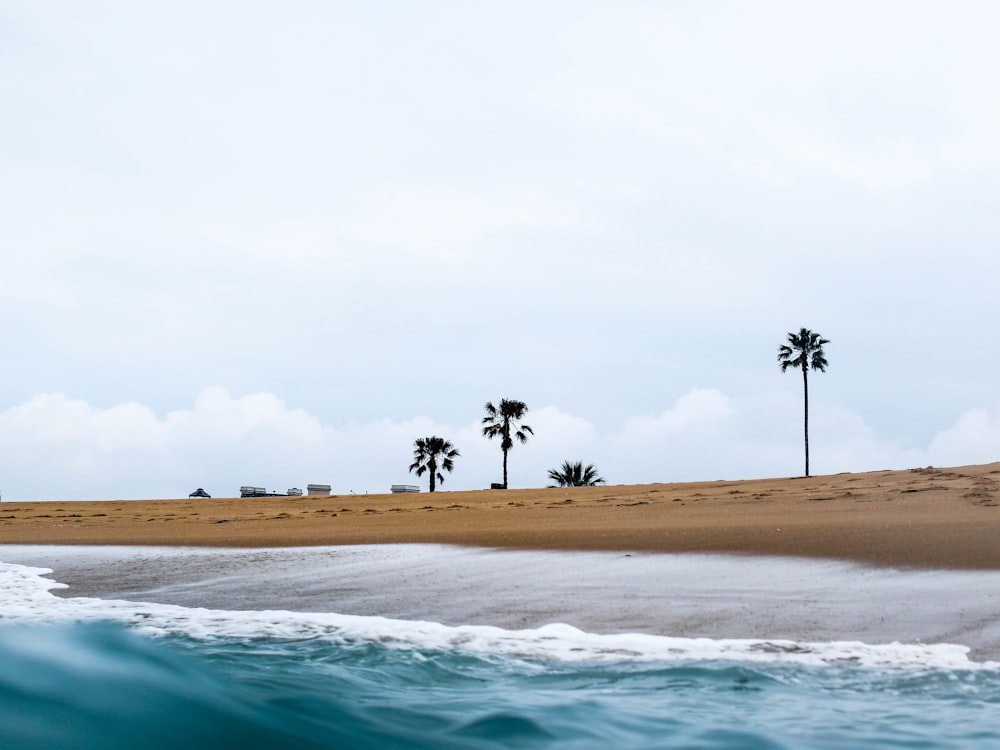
{"x":248,"y":243}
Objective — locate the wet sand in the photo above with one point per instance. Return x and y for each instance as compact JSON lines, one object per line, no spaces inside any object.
{"x":927,"y":517}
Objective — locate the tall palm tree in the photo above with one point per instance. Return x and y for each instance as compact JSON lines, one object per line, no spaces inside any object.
{"x":804,"y":350}
{"x":503,"y":421}
{"x":575,"y":475}
{"x":431,"y":454}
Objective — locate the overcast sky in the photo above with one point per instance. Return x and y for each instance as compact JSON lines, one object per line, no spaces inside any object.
{"x":275,"y":243}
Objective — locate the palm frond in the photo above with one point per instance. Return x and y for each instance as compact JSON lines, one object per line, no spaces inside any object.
{"x":427,"y":452}
{"x":574,"y":474}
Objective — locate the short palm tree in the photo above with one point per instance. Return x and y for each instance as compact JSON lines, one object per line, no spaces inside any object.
{"x":575,"y":475}
{"x":503,"y":421}
{"x":431,"y":455}
{"x":804,"y":350}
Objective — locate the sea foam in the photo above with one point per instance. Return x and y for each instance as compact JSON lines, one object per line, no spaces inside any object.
{"x":27,"y":598}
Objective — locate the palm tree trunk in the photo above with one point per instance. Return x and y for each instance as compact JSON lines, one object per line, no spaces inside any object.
{"x":805,"y":427}
{"x":505,"y":469}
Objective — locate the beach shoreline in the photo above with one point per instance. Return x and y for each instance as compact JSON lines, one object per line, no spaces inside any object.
{"x":879,"y":557}
{"x":680,"y":595}
{"x":925,"y":518}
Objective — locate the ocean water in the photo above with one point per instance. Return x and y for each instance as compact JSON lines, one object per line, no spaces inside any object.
{"x":92,"y":672}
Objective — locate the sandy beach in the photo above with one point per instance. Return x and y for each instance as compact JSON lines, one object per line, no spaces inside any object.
{"x":926,"y":517}
{"x":876,"y":557}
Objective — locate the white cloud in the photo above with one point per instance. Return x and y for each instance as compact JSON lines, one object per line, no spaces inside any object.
{"x":54,"y":446}
{"x":218,"y":415}
{"x":973,"y":439}
{"x":61,"y":448}
{"x":556,"y":430}
{"x":58,"y":423}
{"x":698,"y":410}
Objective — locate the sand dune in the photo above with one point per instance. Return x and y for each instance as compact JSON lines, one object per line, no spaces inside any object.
{"x":928,"y":517}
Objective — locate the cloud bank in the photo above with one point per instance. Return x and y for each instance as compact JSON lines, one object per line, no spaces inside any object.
{"x":55,"y":447}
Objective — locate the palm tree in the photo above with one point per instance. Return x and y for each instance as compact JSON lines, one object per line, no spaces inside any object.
{"x":430,"y":454}
{"x":503,"y":421}
{"x":804,"y":350}
{"x":575,"y":475}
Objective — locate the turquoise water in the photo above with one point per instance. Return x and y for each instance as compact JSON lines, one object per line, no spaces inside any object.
{"x":100,"y":673}
{"x":103,"y":686}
